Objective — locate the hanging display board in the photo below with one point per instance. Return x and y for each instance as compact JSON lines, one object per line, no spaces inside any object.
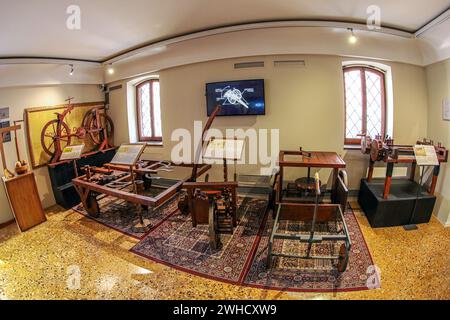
{"x":4,"y":123}
{"x":37,"y":118}
{"x":446,"y":109}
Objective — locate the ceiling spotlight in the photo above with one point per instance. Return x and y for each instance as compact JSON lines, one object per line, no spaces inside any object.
{"x":71,"y":69}
{"x":352,"y":39}
{"x":110,"y":69}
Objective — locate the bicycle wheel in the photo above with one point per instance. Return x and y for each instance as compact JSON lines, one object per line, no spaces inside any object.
{"x":49,"y":137}
{"x":96,"y":133}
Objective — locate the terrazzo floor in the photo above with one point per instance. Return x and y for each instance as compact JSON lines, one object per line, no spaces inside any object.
{"x":73,"y":257}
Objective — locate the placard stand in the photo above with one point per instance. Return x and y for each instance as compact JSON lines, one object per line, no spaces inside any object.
{"x":225,"y":149}
{"x":128,"y":155}
{"x":425,"y":157}
{"x":72,"y":153}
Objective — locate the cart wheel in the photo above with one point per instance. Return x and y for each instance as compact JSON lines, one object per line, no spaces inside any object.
{"x":91,"y":206}
{"x":49,"y":137}
{"x":94,"y":131}
{"x":343,"y":175}
{"x":183,"y":204}
{"x":343,"y":258}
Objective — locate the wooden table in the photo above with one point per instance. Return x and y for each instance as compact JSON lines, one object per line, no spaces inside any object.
{"x":316,"y":159}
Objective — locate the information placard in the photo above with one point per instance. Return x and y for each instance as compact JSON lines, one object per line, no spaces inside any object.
{"x":128,"y":154}
{"x":426,"y":155}
{"x":229,"y":149}
{"x":72,"y":152}
{"x":446,"y":109}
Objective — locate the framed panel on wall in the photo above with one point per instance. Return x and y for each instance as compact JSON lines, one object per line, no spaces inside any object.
{"x":39,"y":117}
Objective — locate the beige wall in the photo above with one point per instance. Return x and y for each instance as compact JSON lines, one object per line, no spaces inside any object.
{"x":438,"y":80}
{"x":19,"y":98}
{"x":306,"y":104}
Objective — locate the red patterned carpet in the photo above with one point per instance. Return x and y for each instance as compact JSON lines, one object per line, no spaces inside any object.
{"x":121,"y":215}
{"x":242,"y":258}
{"x":178,"y":244}
{"x":296,"y":275}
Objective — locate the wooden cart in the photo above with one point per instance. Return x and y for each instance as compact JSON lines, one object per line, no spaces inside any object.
{"x":310,"y":210}
{"x":128,"y":184}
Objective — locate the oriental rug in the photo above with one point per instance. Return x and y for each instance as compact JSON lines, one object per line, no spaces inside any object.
{"x":121,"y":215}
{"x":177,"y":244}
{"x":288,"y":274}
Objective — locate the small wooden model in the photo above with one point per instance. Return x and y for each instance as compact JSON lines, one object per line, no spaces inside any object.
{"x":384,"y":149}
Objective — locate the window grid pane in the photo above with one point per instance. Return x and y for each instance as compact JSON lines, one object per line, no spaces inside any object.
{"x":145,"y":115}
{"x":157,"y":109}
{"x":353,"y":103}
{"x":374,"y":104}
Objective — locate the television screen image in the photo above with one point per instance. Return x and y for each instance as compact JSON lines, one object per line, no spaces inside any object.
{"x":244,"y":97}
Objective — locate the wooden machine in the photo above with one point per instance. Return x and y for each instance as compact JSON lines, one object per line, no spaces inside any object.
{"x":384,"y":149}
{"x":146,"y":183}
{"x":212,"y":203}
{"x":134,"y":184}
{"x":308,"y":209}
{"x":404,"y":202}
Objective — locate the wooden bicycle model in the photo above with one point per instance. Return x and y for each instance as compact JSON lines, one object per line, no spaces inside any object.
{"x":56,"y":134}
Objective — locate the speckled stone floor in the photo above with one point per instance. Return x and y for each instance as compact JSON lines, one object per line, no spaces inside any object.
{"x":44,"y":263}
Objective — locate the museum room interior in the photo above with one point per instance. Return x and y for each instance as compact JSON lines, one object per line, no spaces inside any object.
{"x":246,"y":149}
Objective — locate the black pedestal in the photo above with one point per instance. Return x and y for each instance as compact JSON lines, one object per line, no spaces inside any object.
{"x":61,"y":176}
{"x":398,"y":209}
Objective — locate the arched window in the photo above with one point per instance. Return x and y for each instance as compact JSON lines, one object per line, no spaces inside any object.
{"x":365,"y":103}
{"x":148,"y":111}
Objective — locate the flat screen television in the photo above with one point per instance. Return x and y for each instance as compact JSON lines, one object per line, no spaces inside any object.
{"x":237,"y":98}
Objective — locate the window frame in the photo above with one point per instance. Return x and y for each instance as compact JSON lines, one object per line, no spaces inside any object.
{"x":142,"y":138}
{"x":363,"y":70}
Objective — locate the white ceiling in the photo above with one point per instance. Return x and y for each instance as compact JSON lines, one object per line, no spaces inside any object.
{"x":108,"y":27}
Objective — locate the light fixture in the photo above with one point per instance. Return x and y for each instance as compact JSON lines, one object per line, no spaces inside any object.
{"x":110,"y":69}
{"x":71,"y":69}
{"x":352,"y":39}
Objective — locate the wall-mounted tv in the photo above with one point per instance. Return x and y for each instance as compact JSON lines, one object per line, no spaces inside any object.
{"x":237,"y":98}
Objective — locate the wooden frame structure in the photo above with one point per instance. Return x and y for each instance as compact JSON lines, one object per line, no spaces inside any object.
{"x":314,"y":213}
{"x":89,"y":190}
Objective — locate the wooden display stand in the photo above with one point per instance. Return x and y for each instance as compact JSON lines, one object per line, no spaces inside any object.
{"x":24,"y":200}
{"x":21,"y":190}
